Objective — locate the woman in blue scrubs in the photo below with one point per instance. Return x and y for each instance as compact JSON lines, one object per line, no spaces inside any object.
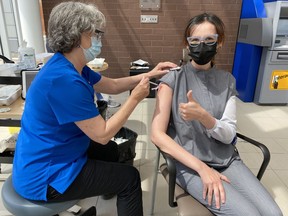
{"x":60,"y":119}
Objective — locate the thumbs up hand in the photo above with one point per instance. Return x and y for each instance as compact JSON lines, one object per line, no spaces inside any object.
{"x":190,"y":97}
{"x":191,"y":110}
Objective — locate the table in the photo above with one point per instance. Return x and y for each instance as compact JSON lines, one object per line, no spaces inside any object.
{"x":11,"y":118}
{"x":99,"y":69}
{"x":16,"y":111}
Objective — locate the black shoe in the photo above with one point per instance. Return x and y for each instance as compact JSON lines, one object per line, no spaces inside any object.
{"x":108,"y":196}
{"x":90,"y":212}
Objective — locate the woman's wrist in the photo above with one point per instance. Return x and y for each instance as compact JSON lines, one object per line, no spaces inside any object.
{"x":150,"y":75}
{"x":201,"y":167}
{"x":206,"y":119}
{"x":133,"y":100}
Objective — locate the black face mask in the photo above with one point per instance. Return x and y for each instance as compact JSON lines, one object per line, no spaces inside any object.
{"x":202,"y":54}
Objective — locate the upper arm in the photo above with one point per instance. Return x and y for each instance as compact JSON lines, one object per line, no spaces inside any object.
{"x":159,"y":127}
{"x":162,"y":109}
{"x":106,"y":85}
{"x":93,"y":128}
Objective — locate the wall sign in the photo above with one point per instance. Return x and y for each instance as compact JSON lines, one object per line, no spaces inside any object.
{"x":150,"y":4}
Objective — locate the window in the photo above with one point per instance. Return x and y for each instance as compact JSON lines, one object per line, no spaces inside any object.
{"x":9,"y":35}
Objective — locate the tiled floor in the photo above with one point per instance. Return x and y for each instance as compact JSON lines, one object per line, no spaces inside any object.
{"x":267,"y":124}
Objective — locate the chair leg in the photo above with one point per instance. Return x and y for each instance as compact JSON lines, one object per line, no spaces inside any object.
{"x":154,"y":184}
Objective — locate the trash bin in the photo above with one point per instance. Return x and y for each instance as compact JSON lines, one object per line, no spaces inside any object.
{"x":125,"y":138}
{"x":126,"y":148}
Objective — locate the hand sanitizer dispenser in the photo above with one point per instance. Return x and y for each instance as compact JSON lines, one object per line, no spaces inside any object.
{"x":27,"y":59}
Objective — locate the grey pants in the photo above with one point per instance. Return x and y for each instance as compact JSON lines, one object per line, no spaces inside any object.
{"x":245,"y":195}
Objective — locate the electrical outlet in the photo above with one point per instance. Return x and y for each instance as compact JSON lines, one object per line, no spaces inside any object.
{"x":149,"y":19}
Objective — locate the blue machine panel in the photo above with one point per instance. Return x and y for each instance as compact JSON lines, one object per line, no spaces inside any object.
{"x":247,"y":57}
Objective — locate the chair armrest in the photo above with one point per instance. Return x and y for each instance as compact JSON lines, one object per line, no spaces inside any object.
{"x":265,"y":151}
{"x":172,"y":177}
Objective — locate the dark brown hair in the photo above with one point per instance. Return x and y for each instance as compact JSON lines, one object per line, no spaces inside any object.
{"x":208,"y":17}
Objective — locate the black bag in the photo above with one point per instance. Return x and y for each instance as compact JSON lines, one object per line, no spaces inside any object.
{"x":102,"y":107}
{"x":127,"y":149}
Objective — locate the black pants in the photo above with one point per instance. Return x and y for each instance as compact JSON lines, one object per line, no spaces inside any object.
{"x":101,"y":176}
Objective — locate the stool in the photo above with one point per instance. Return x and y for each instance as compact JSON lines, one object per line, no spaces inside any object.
{"x":19,"y":206}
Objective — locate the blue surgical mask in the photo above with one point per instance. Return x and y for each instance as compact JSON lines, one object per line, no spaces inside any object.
{"x":94,"y":50}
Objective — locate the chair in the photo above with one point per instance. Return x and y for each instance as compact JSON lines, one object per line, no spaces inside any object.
{"x":19,"y":206}
{"x":187,"y":205}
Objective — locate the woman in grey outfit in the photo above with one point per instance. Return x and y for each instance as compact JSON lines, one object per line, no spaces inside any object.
{"x":195,"y":122}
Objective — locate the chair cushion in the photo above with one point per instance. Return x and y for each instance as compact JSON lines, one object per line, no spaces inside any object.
{"x":187,"y":205}
{"x":19,"y":206}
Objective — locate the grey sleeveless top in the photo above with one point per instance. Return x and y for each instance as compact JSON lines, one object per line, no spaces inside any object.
{"x":211,"y":89}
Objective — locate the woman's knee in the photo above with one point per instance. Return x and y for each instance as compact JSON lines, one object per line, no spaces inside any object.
{"x":132,"y":181}
{"x":271,"y":210}
{"x":245,"y":207}
{"x":134,"y":176}
{"x":235,"y":209}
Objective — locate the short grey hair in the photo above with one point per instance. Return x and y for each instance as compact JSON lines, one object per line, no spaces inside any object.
{"x":68,"y":20}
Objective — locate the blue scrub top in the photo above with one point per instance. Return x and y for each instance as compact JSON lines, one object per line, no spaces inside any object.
{"x":51,"y":149}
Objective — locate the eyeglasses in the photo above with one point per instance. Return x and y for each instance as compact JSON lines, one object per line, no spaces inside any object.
{"x":98,"y":34}
{"x":209,"y":40}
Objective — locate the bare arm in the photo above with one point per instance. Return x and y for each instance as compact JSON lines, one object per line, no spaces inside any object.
{"x":116,"y":86}
{"x":212,"y":180}
{"x":102,"y":131}
{"x":159,"y":126}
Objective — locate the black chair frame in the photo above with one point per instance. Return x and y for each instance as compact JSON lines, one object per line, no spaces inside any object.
{"x":171,"y":167}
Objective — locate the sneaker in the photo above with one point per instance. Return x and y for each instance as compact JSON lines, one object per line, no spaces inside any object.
{"x":113,"y":104}
{"x":90,"y":212}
